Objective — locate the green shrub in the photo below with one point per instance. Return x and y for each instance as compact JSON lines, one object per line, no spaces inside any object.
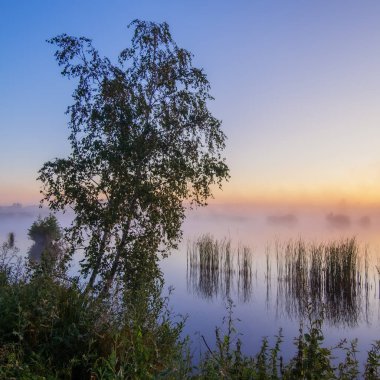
{"x":50,"y":328}
{"x":312,"y":361}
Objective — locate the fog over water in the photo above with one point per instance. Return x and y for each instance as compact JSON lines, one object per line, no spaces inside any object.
{"x":260,"y":224}
{"x":266,"y":305}
{"x":253,"y":225}
{"x":18,"y":219}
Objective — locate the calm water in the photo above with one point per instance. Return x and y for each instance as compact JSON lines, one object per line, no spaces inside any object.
{"x":262,"y":304}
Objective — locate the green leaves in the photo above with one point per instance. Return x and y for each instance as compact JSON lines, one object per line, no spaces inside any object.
{"x":143,"y":142}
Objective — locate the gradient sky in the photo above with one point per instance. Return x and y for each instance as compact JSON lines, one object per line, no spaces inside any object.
{"x":296,"y":83}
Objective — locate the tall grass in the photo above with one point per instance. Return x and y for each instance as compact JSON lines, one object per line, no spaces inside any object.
{"x":245,"y":263}
{"x":214,"y":268}
{"x":329,"y":275}
{"x":333,"y":276}
{"x":51,"y":329}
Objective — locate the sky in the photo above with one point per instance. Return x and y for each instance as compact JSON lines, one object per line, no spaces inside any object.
{"x":296,"y":84}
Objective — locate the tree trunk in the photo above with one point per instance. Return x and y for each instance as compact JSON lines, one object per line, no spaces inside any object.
{"x":116,"y":261}
{"x":95,"y":271}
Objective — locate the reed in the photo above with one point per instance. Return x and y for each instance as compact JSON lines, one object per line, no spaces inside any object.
{"x":327,"y":275}
{"x":334,"y":277}
{"x":245,"y":273}
{"x":214,"y":267}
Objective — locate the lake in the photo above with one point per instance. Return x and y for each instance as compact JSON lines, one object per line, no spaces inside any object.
{"x":261,"y":258}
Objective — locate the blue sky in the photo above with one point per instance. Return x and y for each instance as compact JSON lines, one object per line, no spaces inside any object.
{"x":296,"y":83}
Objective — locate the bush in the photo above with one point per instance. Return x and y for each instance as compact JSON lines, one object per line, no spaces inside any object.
{"x":50,"y":328}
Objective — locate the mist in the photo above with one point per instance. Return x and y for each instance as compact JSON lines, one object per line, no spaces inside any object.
{"x":251,"y":224}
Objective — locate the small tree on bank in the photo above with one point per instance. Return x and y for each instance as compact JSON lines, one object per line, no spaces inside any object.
{"x":143,"y":142}
{"x":44,"y":233}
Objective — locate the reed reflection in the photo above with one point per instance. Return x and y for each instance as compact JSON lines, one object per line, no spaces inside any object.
{"x":336,"y":279}
{"x":333,"y":278}
{"x":213,"y":269}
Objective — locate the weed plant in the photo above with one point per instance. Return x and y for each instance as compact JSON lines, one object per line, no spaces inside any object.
{"x":312,"y":360}
{"x":51,"y":329}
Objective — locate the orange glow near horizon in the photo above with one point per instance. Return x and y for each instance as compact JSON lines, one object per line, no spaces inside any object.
{"x":322,"y":196}
{"x":240,"y":194}
{"x":19,"y":194}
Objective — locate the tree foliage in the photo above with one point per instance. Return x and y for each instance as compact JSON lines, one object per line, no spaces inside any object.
{"x":143,"y":145}
{"x":47,"y":250}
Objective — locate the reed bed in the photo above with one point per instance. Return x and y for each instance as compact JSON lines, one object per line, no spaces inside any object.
{"x":333,"y":277}
{"x":330,"y":276}
{"x":214,"y":268}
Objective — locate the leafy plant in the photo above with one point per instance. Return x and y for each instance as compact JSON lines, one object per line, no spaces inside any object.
{"x":143,"y":142}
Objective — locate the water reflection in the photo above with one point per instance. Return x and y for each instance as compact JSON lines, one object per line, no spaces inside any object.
{"x":213,"y":269}
{"x":330,"y":277}
{"x":335,"y":278}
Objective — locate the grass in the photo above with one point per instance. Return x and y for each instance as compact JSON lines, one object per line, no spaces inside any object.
{"x":331,"y":275}
{"x":51,"y":329}
{"x":312,"y":359}
{"x":334,"y":276}
{"x":214,"y":268}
